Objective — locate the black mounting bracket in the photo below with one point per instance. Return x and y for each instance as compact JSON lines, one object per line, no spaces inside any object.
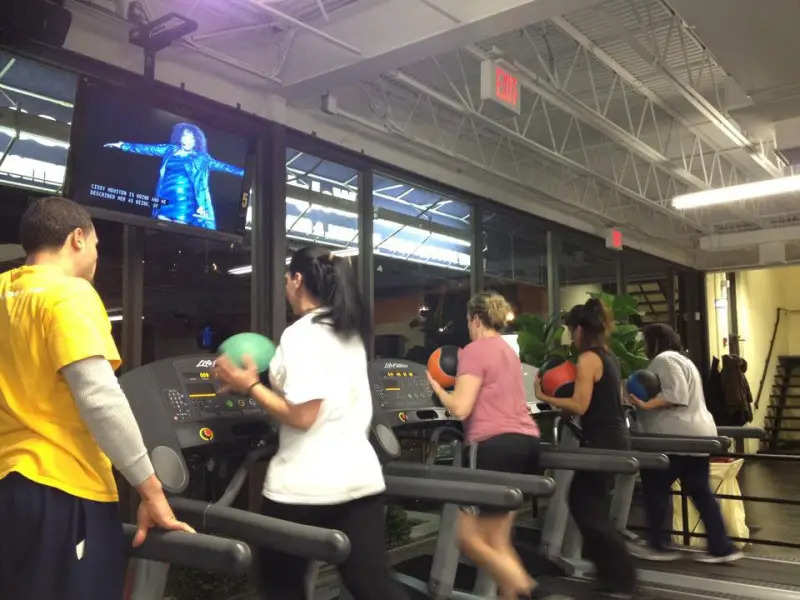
{"x":154,"y":36}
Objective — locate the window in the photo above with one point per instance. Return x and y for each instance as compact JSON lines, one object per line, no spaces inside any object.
{"x":41,"y":99}
{"x":321,"y":206}
{"x":12,"y":205}
{"x":196,"y":294}
{"x":515,"y":260}
{"x":586,"y":266}
{"x":651,"y":280}
{"x":421,"y":241}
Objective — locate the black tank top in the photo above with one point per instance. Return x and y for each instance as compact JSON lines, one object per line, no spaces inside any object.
{"x":603,"y":424}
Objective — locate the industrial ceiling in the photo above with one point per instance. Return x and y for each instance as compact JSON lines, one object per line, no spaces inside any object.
{"x":624,"y":104}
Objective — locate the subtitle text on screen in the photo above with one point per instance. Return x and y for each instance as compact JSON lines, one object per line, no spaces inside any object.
{"x":124,"y":196}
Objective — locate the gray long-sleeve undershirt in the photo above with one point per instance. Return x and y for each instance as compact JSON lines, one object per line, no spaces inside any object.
{"x":105,"y":410}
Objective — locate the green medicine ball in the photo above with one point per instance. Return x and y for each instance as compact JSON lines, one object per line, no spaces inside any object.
{"x":258,"y":347}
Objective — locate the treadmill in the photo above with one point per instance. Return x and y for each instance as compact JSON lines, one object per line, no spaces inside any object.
{"x":751,"y":577}
{"x":191,"y":427}
{"x":403,"y":402}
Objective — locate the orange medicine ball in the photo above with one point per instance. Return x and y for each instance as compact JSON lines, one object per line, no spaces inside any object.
{"x":558,"y":378}
{"x":443,"y":365}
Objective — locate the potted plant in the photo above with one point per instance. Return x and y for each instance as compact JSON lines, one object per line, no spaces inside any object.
{"x":541,"y":339}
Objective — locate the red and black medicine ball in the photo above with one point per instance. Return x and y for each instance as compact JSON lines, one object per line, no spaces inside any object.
{"x":443,"y":365}
{"x":558,"y":377}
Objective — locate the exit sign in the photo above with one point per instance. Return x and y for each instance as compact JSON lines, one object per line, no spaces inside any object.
{"x":614,"y":239}
{"x":500,"y":85}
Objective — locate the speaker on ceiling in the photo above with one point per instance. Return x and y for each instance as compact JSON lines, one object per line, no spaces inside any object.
{"x":41,"y":21}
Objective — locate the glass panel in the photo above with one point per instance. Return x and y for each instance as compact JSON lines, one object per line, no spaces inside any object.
{"x":586,"y":266}
{"x":650,"y":280}
{"x":196,"y":294}
{"x":515,"y":260}
{"x":321,"y":206}
{"x":422,"y":248}
{"x":44,"y":97}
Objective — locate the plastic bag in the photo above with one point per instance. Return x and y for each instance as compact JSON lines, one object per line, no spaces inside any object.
{"x":723,"y":481}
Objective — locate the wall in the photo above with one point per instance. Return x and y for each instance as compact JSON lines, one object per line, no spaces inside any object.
{"x":393,"y":316}
{"x":759,"y":293}
{"x":577,"y":294}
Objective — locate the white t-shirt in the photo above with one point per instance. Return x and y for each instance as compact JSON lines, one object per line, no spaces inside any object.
{"x":682,"y":387}
{"x":332,"y":462}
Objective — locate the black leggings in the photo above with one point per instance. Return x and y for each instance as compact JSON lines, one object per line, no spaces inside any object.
{"x":694,"y":474}
{"x":365,"y":573}
{"x":602,"y":543}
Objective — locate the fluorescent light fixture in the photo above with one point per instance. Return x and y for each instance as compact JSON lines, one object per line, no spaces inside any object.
{"x":118,"y":318}
{"x":737,"y":193}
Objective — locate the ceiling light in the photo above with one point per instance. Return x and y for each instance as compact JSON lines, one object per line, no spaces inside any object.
{"x":737,"y":193}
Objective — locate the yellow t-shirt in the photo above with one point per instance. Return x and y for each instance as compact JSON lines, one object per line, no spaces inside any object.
{"x":48,"y":321}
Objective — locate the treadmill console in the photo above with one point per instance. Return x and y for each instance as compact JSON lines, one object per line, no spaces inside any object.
{"x":401,"y":393}
{"x":179,"y":406}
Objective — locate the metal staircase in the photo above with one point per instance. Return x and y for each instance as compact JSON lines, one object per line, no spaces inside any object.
{"x":782,"y":421}
{"x":652,"y":298}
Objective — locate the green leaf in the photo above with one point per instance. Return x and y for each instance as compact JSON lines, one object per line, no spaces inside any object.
{"x":624,"y":307}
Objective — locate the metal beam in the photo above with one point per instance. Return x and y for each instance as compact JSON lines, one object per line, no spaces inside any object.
{"x":657,"y":58}
{"x":746,"y":239}
{"x":34,"y":125}
{"x":543,"y":150}
{"x":396,"y":33}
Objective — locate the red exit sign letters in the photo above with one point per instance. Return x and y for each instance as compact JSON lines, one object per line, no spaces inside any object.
{"x":500,"y":85}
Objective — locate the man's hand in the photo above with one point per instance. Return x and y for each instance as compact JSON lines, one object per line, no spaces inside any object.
{"x":154,"y":511}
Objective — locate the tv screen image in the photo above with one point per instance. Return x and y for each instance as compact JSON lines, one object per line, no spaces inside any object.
{"x":142,"y":161}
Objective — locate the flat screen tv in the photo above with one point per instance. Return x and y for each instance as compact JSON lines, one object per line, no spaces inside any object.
{"x":136,"y":163}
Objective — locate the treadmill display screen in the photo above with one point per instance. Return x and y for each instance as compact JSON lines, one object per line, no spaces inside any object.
{"x":401,"y":385}
{"x":198,"y":397}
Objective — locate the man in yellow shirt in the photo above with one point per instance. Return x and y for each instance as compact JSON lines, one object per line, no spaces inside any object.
{"x":64,"y":421}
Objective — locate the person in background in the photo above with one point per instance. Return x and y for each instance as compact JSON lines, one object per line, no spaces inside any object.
{"x":597,"y":399}
{"x":679,"y":409}
{"x":489,"y":397}
{"x":325,"y":473}
{"x":64,"y":421}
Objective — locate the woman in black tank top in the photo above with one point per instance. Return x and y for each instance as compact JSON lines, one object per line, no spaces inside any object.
{"x":597,"y":400}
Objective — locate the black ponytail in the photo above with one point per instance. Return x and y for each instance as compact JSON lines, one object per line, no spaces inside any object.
{"x":331,"y":280}
{"x":595,"y":320}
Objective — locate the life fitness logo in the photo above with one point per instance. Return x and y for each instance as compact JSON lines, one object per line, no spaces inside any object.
{"x":206,"y":434}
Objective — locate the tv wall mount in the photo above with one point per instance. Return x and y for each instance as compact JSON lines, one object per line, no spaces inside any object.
{"x":154,"y":36}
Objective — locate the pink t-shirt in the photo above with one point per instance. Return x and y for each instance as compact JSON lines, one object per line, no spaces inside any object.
{"x":500,"y":406}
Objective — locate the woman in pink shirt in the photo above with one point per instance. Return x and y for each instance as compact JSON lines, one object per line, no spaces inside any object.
{"x":489,"y":397}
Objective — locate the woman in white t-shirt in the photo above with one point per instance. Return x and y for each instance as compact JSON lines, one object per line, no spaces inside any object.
{"x":679,"y":409}
{"x":326,"y":472}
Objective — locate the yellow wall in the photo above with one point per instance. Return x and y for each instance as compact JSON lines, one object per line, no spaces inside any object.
{"x":570,"y":295}
{"x":759,"y":293}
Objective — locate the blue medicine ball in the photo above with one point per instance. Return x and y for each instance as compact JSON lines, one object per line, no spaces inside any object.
{"x":644,"y":385}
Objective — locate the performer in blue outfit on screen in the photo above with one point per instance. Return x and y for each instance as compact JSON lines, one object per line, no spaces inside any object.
{"x":183,"y":178}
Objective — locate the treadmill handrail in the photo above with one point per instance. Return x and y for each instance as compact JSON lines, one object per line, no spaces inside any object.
{"x":531,"y":485}
{"x":649,"y":461}
{"x":454,"y":492}
{"x":205,"y":552}
{"x":589,"y":460}
{"x":671,"y":445}
{"x":316,"y":543}
{"x":743,"y":433}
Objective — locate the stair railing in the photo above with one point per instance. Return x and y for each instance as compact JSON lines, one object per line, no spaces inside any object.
{"x":779,"y":311}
